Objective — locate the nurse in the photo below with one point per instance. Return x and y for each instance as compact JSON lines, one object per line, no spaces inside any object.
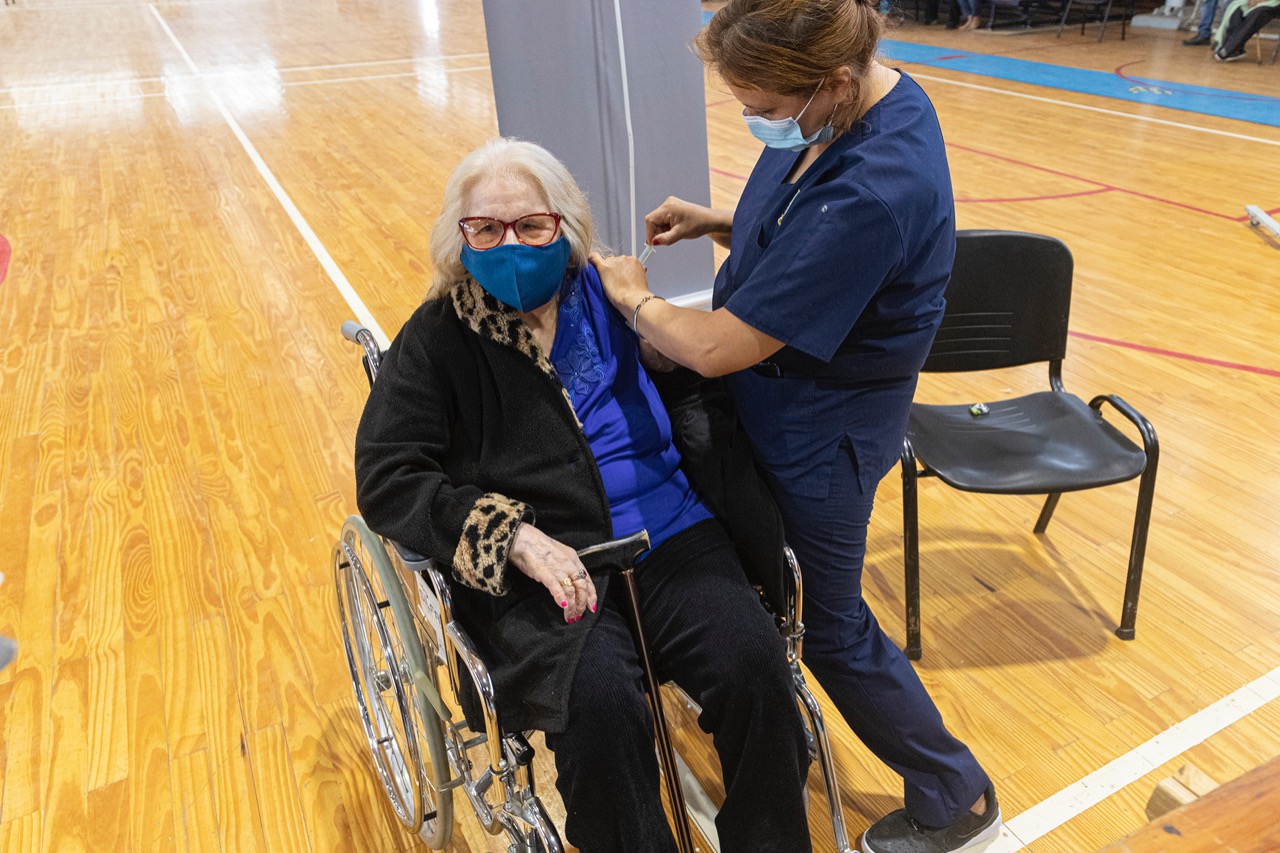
{"x":840,"y":251}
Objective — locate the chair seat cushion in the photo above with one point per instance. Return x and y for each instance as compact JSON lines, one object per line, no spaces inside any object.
{"x":1037,"y":444}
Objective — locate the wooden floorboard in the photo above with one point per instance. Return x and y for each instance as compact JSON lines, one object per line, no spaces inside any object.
{"x":177,"y":414}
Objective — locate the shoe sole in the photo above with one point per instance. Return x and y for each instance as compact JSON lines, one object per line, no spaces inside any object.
{"x":978,"y":843}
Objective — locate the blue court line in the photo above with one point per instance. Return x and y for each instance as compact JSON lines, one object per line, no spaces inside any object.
{"x":1224,"y":103}
{"x":1205,"y":100}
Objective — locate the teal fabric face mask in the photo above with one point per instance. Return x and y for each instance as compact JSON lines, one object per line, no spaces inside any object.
{"x":785,"y":133}
{"x":523,"y":277}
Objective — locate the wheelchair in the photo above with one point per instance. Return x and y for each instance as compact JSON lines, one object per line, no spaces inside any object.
{"x":398,"y":632}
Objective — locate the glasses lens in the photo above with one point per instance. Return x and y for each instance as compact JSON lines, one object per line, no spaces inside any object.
{"x":482,"y":233}
{"x":537,"y":229}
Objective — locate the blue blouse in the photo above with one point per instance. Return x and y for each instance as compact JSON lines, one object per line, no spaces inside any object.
{"x":598,"y":360}
{"x":847,"y":267}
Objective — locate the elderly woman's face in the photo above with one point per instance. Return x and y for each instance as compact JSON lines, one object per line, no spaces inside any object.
{"x":506,"y":199}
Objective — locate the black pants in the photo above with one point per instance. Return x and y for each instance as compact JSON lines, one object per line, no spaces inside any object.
{"x":953,"y":13}
{"x":708,"y":633}
{"x":1243,"y":27}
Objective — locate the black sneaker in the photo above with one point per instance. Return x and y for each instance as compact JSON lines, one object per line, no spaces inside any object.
{"x":1224,"y":57}
{"x":1196,"y":41}
{"x":900,"y":833}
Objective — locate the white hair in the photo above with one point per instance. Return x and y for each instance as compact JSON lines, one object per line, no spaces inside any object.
{"x":507,"y":158}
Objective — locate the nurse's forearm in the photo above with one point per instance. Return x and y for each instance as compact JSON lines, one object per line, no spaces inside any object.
{"x":712,"y":344}
{"x":721,"y":230}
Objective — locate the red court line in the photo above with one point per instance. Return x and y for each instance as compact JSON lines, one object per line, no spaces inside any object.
{"x":1125,"y":190}
{"x":1173,"y":87}
{"x":1101,"y":188}
{"x":1033,"y":197}
{"x":1198,"y":359}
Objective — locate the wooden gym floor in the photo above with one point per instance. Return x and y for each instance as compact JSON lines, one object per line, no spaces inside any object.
{"x":184,"y":183}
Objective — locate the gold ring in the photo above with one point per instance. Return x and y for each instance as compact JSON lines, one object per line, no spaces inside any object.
{"x":567,"y":581}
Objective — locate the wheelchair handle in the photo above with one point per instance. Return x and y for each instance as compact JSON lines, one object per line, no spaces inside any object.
{"x":351,"y":331}
{"x":361,"y":336}
{"x":616,"y":552}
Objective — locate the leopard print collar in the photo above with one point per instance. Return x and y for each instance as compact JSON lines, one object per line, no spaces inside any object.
{"x":500,"y":323}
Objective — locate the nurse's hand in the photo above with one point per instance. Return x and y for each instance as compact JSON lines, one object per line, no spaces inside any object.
{"x":556,"y":566}
{"x":676,"y":219}
{"x":624,"y":282}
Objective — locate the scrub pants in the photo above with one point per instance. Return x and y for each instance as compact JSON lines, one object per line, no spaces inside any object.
{"x":866,"y":675}
{"x":708,"y":633}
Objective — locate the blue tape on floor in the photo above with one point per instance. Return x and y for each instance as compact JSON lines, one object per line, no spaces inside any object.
{"x":1224,"y":103}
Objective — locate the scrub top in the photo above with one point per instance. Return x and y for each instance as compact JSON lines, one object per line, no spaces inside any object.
{"x":847,"y":267}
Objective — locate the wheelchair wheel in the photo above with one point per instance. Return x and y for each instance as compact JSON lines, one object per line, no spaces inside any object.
{"x":383,"y":653}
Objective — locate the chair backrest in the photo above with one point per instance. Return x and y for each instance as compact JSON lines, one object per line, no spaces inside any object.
{"x":1008,"y":303}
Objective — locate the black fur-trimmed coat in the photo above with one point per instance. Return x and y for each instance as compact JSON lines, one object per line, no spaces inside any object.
{"x":467,"y":433}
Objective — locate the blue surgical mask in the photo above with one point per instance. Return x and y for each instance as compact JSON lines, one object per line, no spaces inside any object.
{"x":785,"y":133}
{"x":524,"y":277}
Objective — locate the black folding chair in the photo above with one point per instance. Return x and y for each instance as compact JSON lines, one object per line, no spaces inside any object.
{"x":1098,"y":10}
{"x":1008,"y":304}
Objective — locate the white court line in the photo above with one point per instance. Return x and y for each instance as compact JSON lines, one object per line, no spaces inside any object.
{"x":1134,"y":116}
{"x":289,"y":84}
{"x":87,"y":84}
{"x":375,"y":77}
{"x":35,"y":105}
{"x":1049,"y":814}
{"x":380,"y":62}
{"x":317,"y":248}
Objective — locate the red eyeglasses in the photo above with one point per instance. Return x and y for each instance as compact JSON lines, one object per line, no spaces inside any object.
{"x":535,"y":229}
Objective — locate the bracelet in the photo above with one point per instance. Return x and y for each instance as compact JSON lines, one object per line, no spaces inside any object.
{"x":635,"y":315}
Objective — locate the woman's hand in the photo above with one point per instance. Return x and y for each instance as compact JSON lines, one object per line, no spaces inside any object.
{"x":624,"y":282}
{"x":676,"y":219}
{"x":556,"y":566}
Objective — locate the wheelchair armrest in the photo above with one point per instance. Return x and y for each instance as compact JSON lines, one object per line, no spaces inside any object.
{"x":411,"y":558}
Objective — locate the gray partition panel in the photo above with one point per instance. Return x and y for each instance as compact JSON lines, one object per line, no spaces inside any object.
{"x":558,"y":80}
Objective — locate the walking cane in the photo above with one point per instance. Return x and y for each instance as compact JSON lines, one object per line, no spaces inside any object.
{"x":623,"y":552}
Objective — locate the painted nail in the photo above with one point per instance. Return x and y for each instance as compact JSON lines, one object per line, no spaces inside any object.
{"x":564,"y":604}
{"x":593,"y":608}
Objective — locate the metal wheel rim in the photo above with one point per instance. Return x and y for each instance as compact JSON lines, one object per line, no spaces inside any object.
{"x":388,"y":729}
{"x":434,"y":825}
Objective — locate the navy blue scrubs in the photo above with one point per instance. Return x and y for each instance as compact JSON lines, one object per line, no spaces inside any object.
{"x":847,"y":267}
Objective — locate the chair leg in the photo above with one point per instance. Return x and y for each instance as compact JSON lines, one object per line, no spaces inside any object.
{"x":1066,"y":10}
{"x":1046,"y":512}
{"x":1138,"y":550}
{"x":1106,"y":14}
{"x":911,"y":551}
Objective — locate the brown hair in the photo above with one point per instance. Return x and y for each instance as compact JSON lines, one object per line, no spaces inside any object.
{"x":788,"y":46}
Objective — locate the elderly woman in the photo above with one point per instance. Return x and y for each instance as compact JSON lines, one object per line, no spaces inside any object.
{"x":511,"y":424}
